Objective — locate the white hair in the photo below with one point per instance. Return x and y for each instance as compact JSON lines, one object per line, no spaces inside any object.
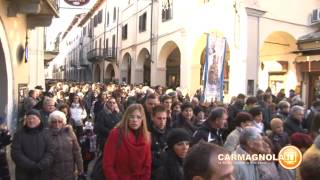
{"x":55,"y":115}
{"x":248,"y":134}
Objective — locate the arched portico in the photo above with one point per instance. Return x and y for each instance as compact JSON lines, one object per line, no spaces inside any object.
{"x":276,"y":68}
{"x":125,"y":74}
{"x":170,"y":62}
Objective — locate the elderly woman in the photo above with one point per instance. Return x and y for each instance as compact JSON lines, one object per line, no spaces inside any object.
{"x":127,"y":152}
{"x":68,"y":155}
{"x":251,"y":142}
{"x":32,"y":149}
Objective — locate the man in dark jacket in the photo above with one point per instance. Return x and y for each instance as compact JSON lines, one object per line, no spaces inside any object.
{"x":151,"y":101}
{"x":158,"y":136}
{"x":294,"y":122}
{"x":211,"y":130}
{"x":106,"y":120}
{"x":48,"y":107}
{"x":33,"y":150}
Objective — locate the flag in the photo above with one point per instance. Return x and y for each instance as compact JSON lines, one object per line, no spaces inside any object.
{"x":213,"y":70}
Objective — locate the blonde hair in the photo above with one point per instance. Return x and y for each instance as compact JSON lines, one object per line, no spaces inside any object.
{"x":123,"y":124}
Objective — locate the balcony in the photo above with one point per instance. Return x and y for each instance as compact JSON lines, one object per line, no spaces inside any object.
{"x":39,"y":12}
{"x":110,"y":54}
{"x":83,"y":61}
{"x":95,"y":55}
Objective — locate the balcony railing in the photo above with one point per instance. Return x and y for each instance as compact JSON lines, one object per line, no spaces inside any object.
{"x":95,"y":55}
{"x":110,"y":54}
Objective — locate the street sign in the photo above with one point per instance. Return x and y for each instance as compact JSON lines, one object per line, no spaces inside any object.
{"x":77,"y":2}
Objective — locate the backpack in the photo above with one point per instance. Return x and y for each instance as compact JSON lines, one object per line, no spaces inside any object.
{"x":97,"y":170}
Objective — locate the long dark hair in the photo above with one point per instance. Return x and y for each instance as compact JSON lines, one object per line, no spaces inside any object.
{"x":71,"y":96}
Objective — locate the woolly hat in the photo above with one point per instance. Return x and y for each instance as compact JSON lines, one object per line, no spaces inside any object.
{"x":177,"y":135}
{"x":34,"y":112}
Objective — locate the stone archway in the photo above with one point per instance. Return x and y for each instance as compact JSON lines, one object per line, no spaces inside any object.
{"x":3,"y":82}
{"x":125,"y":73}
{"x":97,"y":73}
{"x":173,"y":69}
{"x":170,"y":61}
{"x":6,"y":81}
{"x":110,"y":74}
{"x":143,"y":67}
{"x":276,"y":69}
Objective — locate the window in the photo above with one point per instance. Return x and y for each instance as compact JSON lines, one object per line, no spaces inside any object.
{"x":95,"y":21}
{"x":100,"y":17}
{"x":107,"y":44}
{"x":114,"y":14}
{"x":167,"y":10}
{"x":143,"y":22}
{"x":108,"y":19}
{"x":125,"y":32}
{"x":84,"y":31}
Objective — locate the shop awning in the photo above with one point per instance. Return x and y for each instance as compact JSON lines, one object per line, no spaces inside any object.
{"x":306,"y":58}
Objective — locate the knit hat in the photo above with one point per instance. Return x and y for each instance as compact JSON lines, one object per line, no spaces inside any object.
{"x":34,"y":112}
{"x":177,"y":135}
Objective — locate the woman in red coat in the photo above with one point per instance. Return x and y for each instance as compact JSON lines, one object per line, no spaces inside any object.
{"x":127,"y":152}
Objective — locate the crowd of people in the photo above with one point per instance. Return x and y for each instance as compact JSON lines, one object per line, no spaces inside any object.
{"x":136,"y":132}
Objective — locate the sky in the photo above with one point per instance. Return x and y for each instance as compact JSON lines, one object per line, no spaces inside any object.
{"x":66,"y":13}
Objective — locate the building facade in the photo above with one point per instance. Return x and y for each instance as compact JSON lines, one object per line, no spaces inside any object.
{"x":21,"y":51}
{"x":163,"y":42}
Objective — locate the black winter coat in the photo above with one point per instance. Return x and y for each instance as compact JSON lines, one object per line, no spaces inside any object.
{"x":172,"y":167}
{"x":158,"y":146}
{"x":32,"y":151}
{"x":181,"y":122}
{"x":293,"y":125}
{"x":105,"y":121}
{"x":208,"y":134}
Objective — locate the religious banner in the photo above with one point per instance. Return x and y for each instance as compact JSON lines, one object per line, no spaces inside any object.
{"x":213,"y":70}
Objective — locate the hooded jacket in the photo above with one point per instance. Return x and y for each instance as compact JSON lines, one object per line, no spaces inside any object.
{"x":67,"y":156}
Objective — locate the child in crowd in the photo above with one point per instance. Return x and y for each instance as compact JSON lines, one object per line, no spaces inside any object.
{"x":278,"y":137}
{"x":88,"y":145}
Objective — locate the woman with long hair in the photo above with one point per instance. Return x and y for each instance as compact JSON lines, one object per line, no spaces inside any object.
{"x":127,"y":152}
{"x":78,"y":114}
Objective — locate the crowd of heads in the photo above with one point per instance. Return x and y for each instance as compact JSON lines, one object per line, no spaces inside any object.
{"x":257,"y":124}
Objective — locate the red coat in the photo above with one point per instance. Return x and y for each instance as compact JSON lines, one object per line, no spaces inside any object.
{"x":129,"y":159}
